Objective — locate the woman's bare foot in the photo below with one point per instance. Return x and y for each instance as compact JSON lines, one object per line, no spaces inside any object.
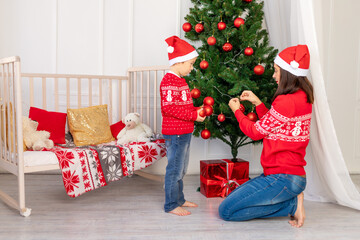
{"x":180,"y":211}
{"x":189,"y":204}
{"x":299,"y":217}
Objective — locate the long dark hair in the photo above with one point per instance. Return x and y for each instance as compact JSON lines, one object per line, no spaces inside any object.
{"x":289,"y":83}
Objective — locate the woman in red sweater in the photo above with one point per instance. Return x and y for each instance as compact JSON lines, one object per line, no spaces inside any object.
{"x":285,"y":132}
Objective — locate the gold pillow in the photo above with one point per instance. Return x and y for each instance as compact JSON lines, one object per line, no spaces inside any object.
{"x":90,"y":126}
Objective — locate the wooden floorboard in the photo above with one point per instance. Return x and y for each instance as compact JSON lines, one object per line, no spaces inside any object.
{"x":133,"y":209}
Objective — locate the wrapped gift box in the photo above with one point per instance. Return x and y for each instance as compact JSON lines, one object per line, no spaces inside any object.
{"x":219,"y":177}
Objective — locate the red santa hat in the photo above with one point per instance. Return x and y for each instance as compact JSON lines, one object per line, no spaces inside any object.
{"x":295,"y":60}
{"x":179,"y":50}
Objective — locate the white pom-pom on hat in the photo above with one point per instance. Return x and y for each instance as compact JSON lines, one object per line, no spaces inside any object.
{"x":170,"y":49}
{"x":294,"y":64}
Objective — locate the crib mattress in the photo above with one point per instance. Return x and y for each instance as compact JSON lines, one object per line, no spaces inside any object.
{"x":39,"y":158}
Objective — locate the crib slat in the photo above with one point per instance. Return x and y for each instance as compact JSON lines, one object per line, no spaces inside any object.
{"x":67,"y":93}
{"x":31,"y":83}
{"x":120,"y":100}
{"x":14,"y":100}
{"x":8,"y":114}
{"x":128,"y":84}
{"x":135,"y":95}
{"x":148,"y":97}
{"x":56,"y":89}
{"x":100,"y":91}
{"x":44,"y":93}
{"x":141,"y":96}
{"x":155,"y":106}
{"x":79,"y":92}
{"x":110,"y":102}
{"x":5,"y":110}
{"x":90,"y":92}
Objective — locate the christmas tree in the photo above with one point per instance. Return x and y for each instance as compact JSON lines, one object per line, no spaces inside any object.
{"x":234,"y":56}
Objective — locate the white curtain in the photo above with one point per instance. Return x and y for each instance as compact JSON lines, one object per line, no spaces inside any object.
{"x":291,"y":22}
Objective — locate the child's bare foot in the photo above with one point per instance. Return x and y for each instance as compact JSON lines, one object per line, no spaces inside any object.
{"x":189,"y":204}
{"x":180,"y":211}
{"x":299,"y":217}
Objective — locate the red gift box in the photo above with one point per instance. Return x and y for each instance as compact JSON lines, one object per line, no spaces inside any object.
{"x":219,"y":177}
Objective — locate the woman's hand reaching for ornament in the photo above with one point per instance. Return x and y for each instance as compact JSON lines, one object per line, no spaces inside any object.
{"x":200,"y":118}
{"x":248,"y":95}
{"x":234,"y":104}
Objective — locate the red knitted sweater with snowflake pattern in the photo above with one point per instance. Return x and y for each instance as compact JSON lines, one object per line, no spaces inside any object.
{"x":177,"y":107}
{"x":285,"y":130}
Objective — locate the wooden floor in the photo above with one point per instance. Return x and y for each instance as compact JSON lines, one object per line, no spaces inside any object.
{"x":132,"y":209}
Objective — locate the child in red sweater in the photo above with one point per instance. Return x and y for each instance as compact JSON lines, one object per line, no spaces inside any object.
{"x":178,"y":116}
{"x":285,"y":130}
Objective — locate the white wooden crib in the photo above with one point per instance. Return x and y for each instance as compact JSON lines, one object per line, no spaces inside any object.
{"x":136,"y":92}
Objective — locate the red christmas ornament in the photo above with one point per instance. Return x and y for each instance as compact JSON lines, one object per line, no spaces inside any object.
{"x":252,"y":116}
{"x":248,"y":51}
{"x":208,"y":110}
{"x":195,"y":93}
{"x":202,"y":113}
{"x":259,"y":70}
{"x":242,"y":108}
{"x":204,"y":64}
{"x":187,"y":27}
{"x":221,"y":26}
{"x":221,"y":117}
{"x":199,"y":28}
{"x":211,"y":41}
{"x":205,"y":134}
{"x":248,"y":1}
{"x":238,"y":22}
{"x":208,"y":101}
{"x":227,"y":47}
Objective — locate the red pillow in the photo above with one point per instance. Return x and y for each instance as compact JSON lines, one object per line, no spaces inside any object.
{"x":53,"y":122}
{"x":116,"y":128}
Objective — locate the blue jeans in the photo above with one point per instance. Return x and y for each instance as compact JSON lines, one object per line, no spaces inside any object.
{"x":177,"y":152}
{"x":263,"y":197}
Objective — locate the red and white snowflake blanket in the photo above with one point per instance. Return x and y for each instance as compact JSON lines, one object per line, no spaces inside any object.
{"x":87,"y":168}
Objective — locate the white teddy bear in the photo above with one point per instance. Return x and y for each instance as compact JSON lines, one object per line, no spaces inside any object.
{"x":35,"y":140}
{"x":134,"y":130}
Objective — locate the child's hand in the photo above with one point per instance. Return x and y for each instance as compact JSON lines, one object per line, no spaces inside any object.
{"x":200,"y":118}
{"x":251,"y":97}
{"x":234,"y":104}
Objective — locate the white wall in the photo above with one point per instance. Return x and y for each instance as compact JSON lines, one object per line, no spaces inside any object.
{"x":108,"y":36}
